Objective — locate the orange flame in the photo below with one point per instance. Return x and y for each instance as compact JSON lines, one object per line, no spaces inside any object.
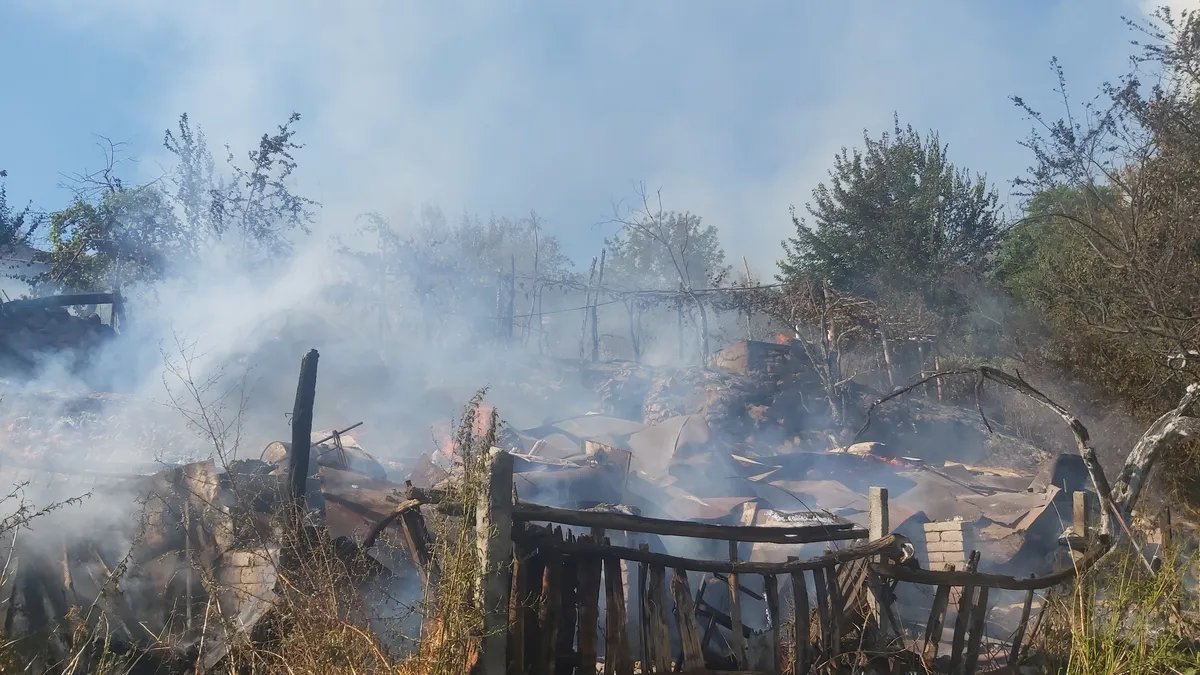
{"x":782,"y":339}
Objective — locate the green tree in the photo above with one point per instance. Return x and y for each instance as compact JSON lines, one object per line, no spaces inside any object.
{"x":896,"y":216}
{"x":16,"y":227}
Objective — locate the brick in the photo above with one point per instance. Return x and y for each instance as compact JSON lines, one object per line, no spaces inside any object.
{"x":948,"y":536}
{"x":945,"y":525}
{"x":946,"y":547}
{"x":933,"y":536}
{"x":936,"y":557}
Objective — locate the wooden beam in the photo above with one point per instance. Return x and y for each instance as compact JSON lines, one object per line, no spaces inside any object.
{"x":890,"y":545}
{"x":685,"y":616}
{"x":1096,"y":551}
{"x":803,"y":630}
{"x":619,"y":521}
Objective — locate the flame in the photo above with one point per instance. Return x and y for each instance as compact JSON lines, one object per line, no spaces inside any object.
{"x":483,"y":417}
{"x":782,"y":339}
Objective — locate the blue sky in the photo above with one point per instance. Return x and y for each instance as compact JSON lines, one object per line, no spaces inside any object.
{"x":733,"y":109}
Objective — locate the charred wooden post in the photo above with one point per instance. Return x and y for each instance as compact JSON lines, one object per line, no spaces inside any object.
{"x":298,"y":460}
{"x":962,"y":621}
{"x":937,"y":620}
{"x":569,"y":611}
{"x":771,"y":584}
{"x":685,"y":616}
{"x":493,"y":532}
{"x":737,"y":641}
{"x":803,"y":630}
{"x":616,"y":630}
{"x":589,"y":610}
{"x":978,"y":619}
{"x":1014,"y":656}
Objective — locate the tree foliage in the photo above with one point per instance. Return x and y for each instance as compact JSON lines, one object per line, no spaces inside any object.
{"x":896,"y":216}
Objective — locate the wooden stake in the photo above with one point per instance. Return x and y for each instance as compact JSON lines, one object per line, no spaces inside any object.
{"x":685,"y":616}
{"x":493,"y":532}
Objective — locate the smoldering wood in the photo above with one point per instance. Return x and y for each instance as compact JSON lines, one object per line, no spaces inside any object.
{"x":975,"y":641}
{"x":1014,"y":655}
{"x":617,"y":659}
{"x":685,"y":618}
{"x":891,"y":546}
{"x":966,"y":603}
{"x":302,"y":414}
{"x":524,"y":512}
{"x":589,"y":609}
{"x":800,"y":619}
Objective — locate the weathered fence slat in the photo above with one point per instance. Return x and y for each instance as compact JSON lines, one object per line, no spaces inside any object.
{"x":516,"y":613}
{"x":1014,"y":656}
{"x":836,"y":608}
{"x":937,"y":620}
{"x":803,"y":630}
{"x":569,"y":611}
{"x":978,"y":619}
{"x":589,"y":611}
{"x":711,"y":625}
{"x":659,"y":633}
{"x":534,"y":571}
{"x":771,"y":585}
{"x":962,"y":621}
{"x":737,"y":639}
{"x":548,"y":608}
{"x":822,"y":588}
{"x":617,"y":659}
{"x":685,"y":616}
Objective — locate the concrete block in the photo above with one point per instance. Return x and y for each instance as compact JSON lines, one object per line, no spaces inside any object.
{"x":935,"y":536}
{"x":945,"y":525}
{"x":947,"y":536}
{"x":946,"y":547}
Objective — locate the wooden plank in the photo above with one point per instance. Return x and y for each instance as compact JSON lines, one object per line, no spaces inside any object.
{"x":658,"y":632}
{"x":298,"y":461}
{"x":936,"y":622}
{"x":962,"y":621}
{"x":978,"y":621}
{"x":771,"y":582}
{"x":889,"y":545}
{"x":493,"y":532}
{"x":516,"y":615}
{"x":803,"y":630}
{"x":822,"y":588}
{"x":568,"y":612}
{"x":685,"y":617}
{"x":835,"y":612}
{"x":737,"y":640}
{"x":1014,"y":656}
{"x":535,"y":573}
{"x":619,"y":521}
{"x":589,"y":611}
{"x":617,"y":657}
{"x":549,"y":603}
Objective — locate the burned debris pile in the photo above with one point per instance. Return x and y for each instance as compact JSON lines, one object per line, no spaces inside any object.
{"x":41,"y":332}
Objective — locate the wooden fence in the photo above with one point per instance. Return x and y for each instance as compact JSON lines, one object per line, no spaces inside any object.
{"x":541,"y":589}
